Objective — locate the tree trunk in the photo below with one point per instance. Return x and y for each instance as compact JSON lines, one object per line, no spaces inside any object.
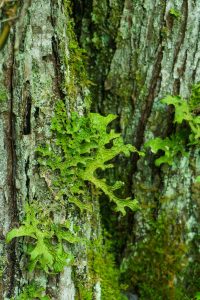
{"x":138,"y":52}
{"x":141,"y":51}
{"x":33,"y":78}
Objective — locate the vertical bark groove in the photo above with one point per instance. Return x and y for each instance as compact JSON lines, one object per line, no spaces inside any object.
{"x":12,"y":198}
{"x":182,"y":31}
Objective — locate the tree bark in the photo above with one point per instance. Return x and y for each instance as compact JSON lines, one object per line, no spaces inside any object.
{"x":31,"y":81}
{"x":138,"y":52}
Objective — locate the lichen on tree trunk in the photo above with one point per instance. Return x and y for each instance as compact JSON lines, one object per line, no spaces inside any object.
{"x":32,"y":79}
{"x":151,"y":50}
{"x":138,"y":52}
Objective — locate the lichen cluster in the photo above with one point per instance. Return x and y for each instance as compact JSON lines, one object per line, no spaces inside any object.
{"x":80,"y":146}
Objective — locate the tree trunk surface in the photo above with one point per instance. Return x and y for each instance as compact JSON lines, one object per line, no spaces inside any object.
{"x":138,"y":52}
{"x":141,"y":52}
{"x":32,"y":72}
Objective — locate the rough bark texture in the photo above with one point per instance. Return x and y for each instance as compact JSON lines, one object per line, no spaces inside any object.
{"x":139,"y":52}
{"x":32,"y":72}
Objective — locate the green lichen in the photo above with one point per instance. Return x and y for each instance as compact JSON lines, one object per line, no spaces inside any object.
{"x":188,"y":132}
{"x":184,"y":113}
{"x":197,"y":296}
{"x":198,"y":179}
{"x":45,"y":240}
{"x":82,"y":146}
{"x":170,"y":146}
{"x":175,"y":13}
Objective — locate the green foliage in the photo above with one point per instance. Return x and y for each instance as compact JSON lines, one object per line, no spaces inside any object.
{"x":82,"y":146}
{"x":32,"y":292}
{"x":45,"y":240}
{"x":155,"y":261}
{"x":186,"y":114}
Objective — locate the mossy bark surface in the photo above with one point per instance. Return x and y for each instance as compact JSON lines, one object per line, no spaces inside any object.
{"x":32,"y":79}
{"x":137,"y":54}
{"x":141,"y":51}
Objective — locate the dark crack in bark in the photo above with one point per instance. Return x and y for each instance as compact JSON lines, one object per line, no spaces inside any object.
{"x":27,"y":110}
{"x":11,"y":171}
{"x":182,"y":31}
{"x":55,"y":57}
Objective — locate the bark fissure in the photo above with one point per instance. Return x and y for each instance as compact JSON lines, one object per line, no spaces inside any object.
{"x":13,"y":210}
{"x":150,"y":98}
{"x":27,"y":165}
{"x":146,"y":111}
{"x":181,"y":71}
{"x":55,"y":57}
{"x":182,"y":32}
{"x":27,"y":113}
{"x":195,"y":53}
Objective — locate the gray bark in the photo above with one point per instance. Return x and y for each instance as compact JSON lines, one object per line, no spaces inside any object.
{"x":138,"y":53}
{"x":31,"y":76}
{"x":137,"y":59}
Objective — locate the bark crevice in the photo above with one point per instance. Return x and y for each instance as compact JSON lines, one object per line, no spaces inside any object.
{"x":182,"y":32}
{"x":12,"y":198}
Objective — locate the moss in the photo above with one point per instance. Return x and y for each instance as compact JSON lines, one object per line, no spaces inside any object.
{"x":195,"y":98}
{"x":102,"y":269}
{"x":165,"y":32}
{"x":76,"y":81}
{"x":84,"y":292}
{"x":191,"y":275}
{"x":3,"y":95}
{"x":196,"y":192}
{"x":3,"y":262}
{"x":32,"y":291}
{"x":156,"y":260}
{"x":99,"y":31}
